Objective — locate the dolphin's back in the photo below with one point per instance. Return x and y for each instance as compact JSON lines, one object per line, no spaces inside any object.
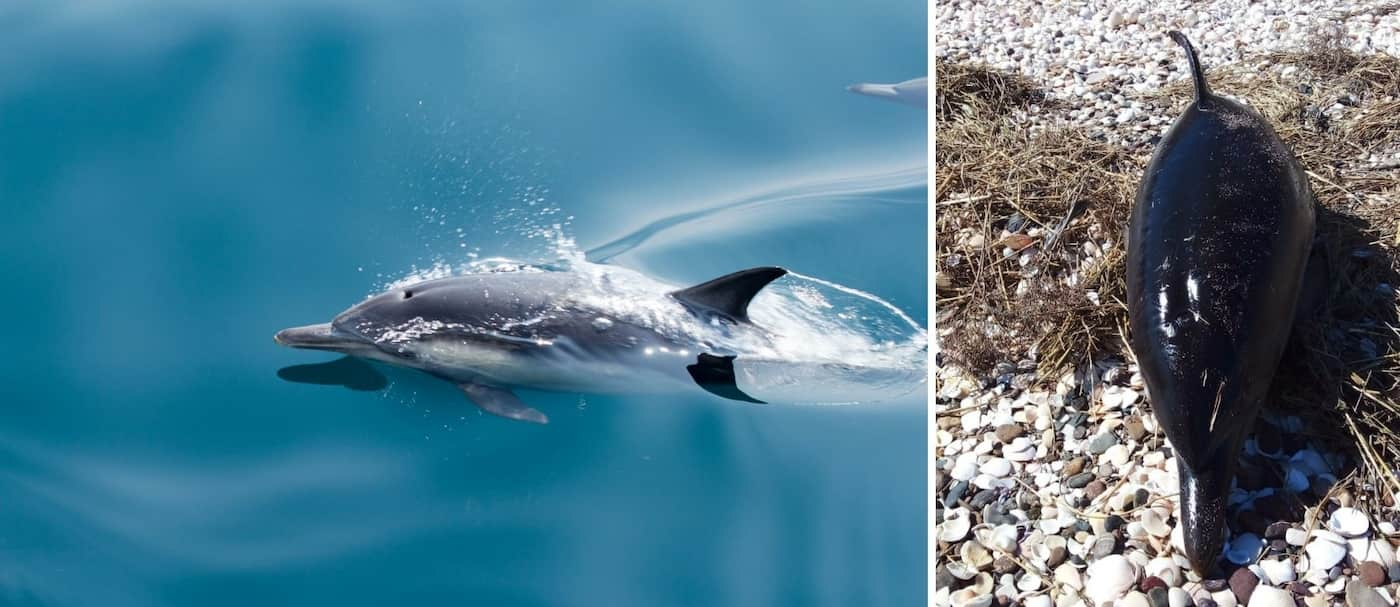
{"x":1221,"y":230}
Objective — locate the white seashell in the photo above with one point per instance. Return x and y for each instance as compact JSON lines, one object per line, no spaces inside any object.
{"x":1135,"y":599}
{"x":1359,"y":548}
{"x":1295,"y":537}
{"x":982,"y":583}
{"x":955,"y":525}
{"x":1386,"y":527}
{"x":1325,"y":549}
{"x":1224,"y":598}
{"x":1068,"y":576}
{"x":965,"y":467}
{"x":961,"y":570}
{"x":1154,"y":524}
{"x":1176,"y":597}
{"x":1109,"y":578}
{"x":1040,"y":600}
{"x":1243,"y":548}
{"x":1278,"y":572}
{"x":1268,"y":596}
{"x":1042,"y":551}
{"x":1116,"y":455}
{"x":1136,"y":532}
{"x":969,"y":597}
{"x":1349,"y":522}
{"x":1336,"y":586}
{"x":1003,"y":538}
{"x":1029,"y":582}
{"x":1166,"y":569}
{"x":975,"y":555}
{"x":971,"y":421}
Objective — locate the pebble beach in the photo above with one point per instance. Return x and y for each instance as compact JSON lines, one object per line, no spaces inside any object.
{"x":1062,"y":490}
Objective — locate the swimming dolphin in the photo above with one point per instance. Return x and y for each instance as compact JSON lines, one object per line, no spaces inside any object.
{"x":488,"y":333}
{"x":911,"y":92}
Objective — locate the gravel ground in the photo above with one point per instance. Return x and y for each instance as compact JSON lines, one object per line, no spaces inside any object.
{"x":1101,"y":59}
{"x":1065,"y":494}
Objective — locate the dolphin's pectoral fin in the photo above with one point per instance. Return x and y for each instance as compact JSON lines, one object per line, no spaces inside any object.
{"x":716,"y":375}
{"x":729,"y":295}
{"x":502,"y":402}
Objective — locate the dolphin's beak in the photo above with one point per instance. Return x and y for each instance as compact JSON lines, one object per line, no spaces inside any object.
{"x":318,"y":337}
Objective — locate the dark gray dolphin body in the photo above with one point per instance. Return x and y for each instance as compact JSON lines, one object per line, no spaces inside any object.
{"x":491,"y":332}
{"x":1217,"y":248}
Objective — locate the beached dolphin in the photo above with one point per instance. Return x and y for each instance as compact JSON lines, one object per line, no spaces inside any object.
{"x":912,"y":92}
{"x":1217,"y":249}
{"x":564,"y":331}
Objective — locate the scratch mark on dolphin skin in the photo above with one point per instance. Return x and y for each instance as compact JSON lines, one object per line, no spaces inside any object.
{"x":1215,"y":409}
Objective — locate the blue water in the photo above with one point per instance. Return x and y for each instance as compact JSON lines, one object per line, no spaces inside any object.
{"x":180,"y":180}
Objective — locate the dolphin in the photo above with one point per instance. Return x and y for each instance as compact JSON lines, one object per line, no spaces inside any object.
{"x":1217,"y":254}
{"x":563,"y":331}
{"x":910,"y":92}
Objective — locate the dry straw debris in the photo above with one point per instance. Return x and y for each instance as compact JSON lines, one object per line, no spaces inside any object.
{"x":1030,"y":224}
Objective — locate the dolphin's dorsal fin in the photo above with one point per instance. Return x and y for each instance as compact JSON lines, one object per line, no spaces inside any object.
{"x":729,"y":295}
{"x":1198,"y":72}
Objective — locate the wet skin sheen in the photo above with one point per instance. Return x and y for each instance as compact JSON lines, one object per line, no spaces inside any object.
{"x":1218,"y":243}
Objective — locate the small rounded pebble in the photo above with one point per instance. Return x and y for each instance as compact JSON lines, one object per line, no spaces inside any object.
{"x":1243,"y":548}
{"x":1095,"y":489}
{"x":1112,"y":523}
{"x":1099,"y":444}
{"x":1349,"y":522}
{"x":1003,"y":564}
{"x":1104,"y":545}
{"x":1276,"y":530}
{"x":1243,"y":583}
{"x":1359,"y":595}
{"x":1372,"y":573}
{"x":996,"y":467}
{"x":1150,"y":582}
{"x":1158,"y":597}
{"x":1009,"y":432}
{"x":1078,"y":481}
